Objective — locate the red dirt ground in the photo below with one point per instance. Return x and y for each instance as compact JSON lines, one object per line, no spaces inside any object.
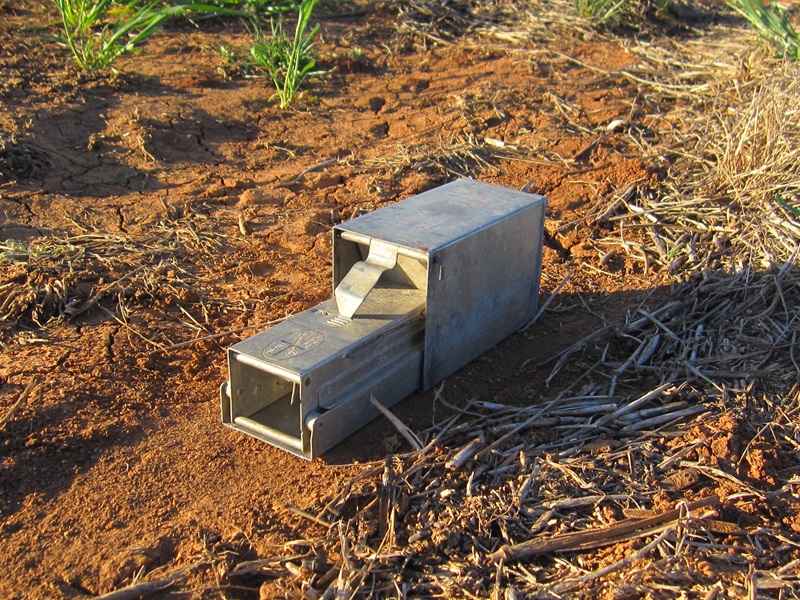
{"x":118,"y":460}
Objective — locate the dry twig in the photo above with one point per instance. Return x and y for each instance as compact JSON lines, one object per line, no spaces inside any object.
{"x":22,"y":397}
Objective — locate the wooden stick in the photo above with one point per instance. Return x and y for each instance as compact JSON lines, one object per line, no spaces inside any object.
{"x":260,"y":567}
{"x":146,"y":588}
{"x":584,"y":540}
{"x":465,"y":454}
{"x":22,"y":397}
{"x":412,"y":438}
{"x":662,"y":419}
{"x":547,"y":303}
{"x":584,"y":500}
{"x":589,"y":577}
{"x":139,"y":590}
{"x":307,"y":515}
{"x":299,"y":178}
{"x":633,"y":405}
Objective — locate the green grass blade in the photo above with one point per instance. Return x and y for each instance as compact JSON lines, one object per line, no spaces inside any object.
{"x":772,"y":24}
{"x":288,"y":62}
{"x":97,"y":32}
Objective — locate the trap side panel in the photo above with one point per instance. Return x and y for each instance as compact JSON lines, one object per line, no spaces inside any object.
{"x":482,"y":288}
{"x":399,"y":379}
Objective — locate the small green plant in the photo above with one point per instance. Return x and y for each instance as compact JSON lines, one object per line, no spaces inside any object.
{"x":97,"y":32}
{"x":96,"y":42}
{"x":14,"y":250}
{"x":599,"y":11}
{"x":21,"y":252}
{"x":772,"y":25}
{"x":228,"y":53}
{"x":289,"y":62}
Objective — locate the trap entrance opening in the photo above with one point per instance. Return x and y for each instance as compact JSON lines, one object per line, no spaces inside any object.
{"x":267,"y":404}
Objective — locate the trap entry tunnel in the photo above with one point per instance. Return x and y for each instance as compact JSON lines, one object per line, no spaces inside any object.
{"x":421,"y":288}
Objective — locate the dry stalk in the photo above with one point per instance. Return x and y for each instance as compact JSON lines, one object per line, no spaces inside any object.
{"x":401,"y":427}
{"x":157,"y":263}
{"x":463,"y":156}
{"x":596,"y":538}
{"x":22,"y":397}
{"x":148,"y":588}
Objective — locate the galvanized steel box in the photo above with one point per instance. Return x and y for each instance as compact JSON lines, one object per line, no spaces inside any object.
{"x":421,"y":288}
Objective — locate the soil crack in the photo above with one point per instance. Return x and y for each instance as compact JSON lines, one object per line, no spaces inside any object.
{"x":121,"y":220}
{"x":18,"y":201}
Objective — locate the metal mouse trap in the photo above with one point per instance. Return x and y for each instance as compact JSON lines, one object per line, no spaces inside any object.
{"x":421,"y":288}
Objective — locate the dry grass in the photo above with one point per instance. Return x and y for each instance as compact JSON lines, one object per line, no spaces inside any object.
{"x":725,"y":332}
{"x":584,"y":493}
{"x":732,"y":192}
{"x":729,"y":142}
{"x":463,"y":156}
{"x":63,"y":277}
{"x":515,"y":21}
{"x":18,"y":158}
{"x":481,"y":509}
